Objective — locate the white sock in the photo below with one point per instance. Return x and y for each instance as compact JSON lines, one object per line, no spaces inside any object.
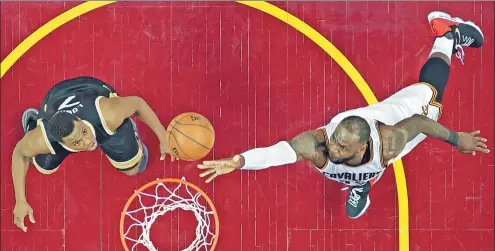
{"x":443,"y":45}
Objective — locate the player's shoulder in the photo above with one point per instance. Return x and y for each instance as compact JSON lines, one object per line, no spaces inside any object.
{"x":33,"y":143}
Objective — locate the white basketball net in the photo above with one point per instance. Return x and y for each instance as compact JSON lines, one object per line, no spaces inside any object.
{"x":168,"y":203}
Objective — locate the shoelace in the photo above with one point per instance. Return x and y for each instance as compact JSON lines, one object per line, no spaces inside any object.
{"x":460,"y":53}
{"x":354,"y":197}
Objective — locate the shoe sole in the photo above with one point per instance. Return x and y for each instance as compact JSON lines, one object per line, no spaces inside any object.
{"x":26,"y":115}
{"x":446,"y":16}
{"x":368,"y":203}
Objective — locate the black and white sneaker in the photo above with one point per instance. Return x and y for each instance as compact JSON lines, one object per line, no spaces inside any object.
{"x":29,"y":118}
{"x":358,"y":200}
{"x":465,"y":33}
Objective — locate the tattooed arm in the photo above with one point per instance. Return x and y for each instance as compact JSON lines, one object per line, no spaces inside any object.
{"x":396,"y":137}
{"x":308,"y":146}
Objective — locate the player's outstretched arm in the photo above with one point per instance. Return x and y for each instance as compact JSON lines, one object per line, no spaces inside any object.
{"x":29,"y":146}
{"x":406,"y":130}
{"x":302,"y":147}
{"x":115,"y":110}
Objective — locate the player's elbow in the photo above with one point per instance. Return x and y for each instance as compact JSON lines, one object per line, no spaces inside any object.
{"x":17,"y":152}
{"x":418,"y":117}
{"x":138,"y":103}
{"x":19,"y":157}
{"x":305,"y":145}
{"x":137,"y":100}
{"x":20,"y":150}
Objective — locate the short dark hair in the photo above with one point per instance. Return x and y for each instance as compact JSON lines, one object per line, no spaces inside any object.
{"x":358,"y":126}
{"x":61,"y":125}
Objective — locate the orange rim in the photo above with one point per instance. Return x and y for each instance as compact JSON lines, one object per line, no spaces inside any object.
{"x":170,"y":180}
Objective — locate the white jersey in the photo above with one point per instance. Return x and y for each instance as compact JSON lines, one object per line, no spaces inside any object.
{"x":414,"y":99}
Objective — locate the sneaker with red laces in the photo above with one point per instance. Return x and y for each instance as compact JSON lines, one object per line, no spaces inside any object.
{"x":465,"y":33}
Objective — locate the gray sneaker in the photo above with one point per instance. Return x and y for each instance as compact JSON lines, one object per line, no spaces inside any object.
{"x":28,"y":116}
{"x":358,"y":200}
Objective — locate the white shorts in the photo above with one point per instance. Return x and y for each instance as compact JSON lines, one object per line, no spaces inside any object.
{"x":417,"y":98}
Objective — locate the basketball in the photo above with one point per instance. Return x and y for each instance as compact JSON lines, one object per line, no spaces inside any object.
{"x":191,"y":136}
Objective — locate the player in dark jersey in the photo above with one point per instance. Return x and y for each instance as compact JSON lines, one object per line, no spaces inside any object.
{"x":77,"y":115}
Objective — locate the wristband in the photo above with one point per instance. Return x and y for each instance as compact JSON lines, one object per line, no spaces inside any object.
{"x":453,"y":138}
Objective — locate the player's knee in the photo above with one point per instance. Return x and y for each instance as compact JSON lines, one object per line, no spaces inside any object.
{"x":138,"y":167}
{"x":133,"y":171}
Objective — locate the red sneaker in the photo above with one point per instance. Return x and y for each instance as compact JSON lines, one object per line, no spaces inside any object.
{"x":465,"y":33}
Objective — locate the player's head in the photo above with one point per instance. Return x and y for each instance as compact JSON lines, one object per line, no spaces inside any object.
{"x":349,"y":139}
{"x":68,"y":129}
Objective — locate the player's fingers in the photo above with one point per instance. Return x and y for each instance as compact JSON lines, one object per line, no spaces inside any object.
{"x":481,"y":144}
{"x":210,"y":162}
{"x":203,"y":174}
{"x":162,"y":156}
{"x":218,"y":161}
{"x":215,"y":163}
{"x":479,"y":149}
{"x":31,"y":216}
{"x":211,"y":177}
{"x":203,"y":166}
{"x":23,"y":228}
{"x":475,"y":132}
{"x":19,"y":222}
{"x":480,"y":139}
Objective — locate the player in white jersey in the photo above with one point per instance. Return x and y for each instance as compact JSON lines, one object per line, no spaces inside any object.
{"x":357,"y":145}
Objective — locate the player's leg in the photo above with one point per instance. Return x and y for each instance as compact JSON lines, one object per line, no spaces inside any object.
{"x":45,"y":163}
{"x":452,"y":34}
{"x":125,"y":150}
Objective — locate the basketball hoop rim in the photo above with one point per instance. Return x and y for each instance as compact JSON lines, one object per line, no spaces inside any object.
{"x":169,"y":180}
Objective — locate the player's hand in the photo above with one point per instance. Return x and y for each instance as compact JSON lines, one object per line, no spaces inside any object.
{"x":219,"y":167}
{"x":165,"y":148}
{"x":22,"y":209}
{"x":470,"y":143}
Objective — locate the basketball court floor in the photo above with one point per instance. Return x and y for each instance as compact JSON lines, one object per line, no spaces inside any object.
{"x":258,"y":79}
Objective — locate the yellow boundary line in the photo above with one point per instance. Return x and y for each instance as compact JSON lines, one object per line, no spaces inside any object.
{"x":283,"y":16}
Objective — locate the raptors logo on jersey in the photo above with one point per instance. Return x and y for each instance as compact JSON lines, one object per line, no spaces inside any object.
{"x":70,"y":105}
